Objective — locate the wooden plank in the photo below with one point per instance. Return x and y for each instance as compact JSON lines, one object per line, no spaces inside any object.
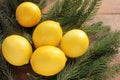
{"x":110,"y":7}
{"x":109,"y":13}
{"x":112,"y":20}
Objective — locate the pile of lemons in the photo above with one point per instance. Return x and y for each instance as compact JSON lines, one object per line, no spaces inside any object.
{"x":51,"y":45}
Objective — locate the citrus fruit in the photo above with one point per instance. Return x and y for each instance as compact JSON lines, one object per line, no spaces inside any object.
{"x":28,"y":14}
{"x":74,"y":43}
{"x":48,"y":60}
{"x":16,"y":50}
{"x":47,"y":33}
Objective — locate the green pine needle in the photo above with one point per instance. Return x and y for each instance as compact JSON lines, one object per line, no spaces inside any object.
{"x":94,"y":69}
{"x":41,"y":3}
{"x":105,"y":46}
{"x":12,"y":4}
{"x":5,"y":69}
{"x":72,"y":13}
{"x":113,"y":71}
{"x":9,"y":26}
{"x":96,"y":28}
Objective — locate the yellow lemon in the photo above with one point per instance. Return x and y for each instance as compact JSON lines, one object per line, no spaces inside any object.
{"x":47,"y":33}
{"x":16,"y":50}
{"x":28,"y":14}
{"x":74,"y":43}
{"x":48,"y":60}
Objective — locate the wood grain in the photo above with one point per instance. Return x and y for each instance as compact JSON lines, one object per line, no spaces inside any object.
{"x":109,"y":13}
{"x":110,"y":7}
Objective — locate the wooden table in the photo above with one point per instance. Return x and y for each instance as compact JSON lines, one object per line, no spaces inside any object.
{"x":109,"y":13}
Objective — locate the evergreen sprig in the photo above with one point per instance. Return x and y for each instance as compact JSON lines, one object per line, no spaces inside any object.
{"x":113,"y":71}
{"x":12,"y":4}
{"x":104,"y":48}
{"x":72,"y":13}
{"x":6,"y":71}
{"x":9,"y":26}
{"x":96,"y":28}
{"x":107,"y":46}
{"x":92,"y":65}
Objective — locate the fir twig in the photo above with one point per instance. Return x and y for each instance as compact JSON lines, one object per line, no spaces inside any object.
{"x":94,"y":68}
{"x":113,"y":71}
{"x":12,"y":5}
{"x":72,"y":13}
{"x":6,"y":70}
{"x":33,"y":76}
{"x":105,"y":46}
{"x":89,"y":11}
{"x":42,"y":3}
{"x":108,"y":51}
{"x":9,"y":26}
{"x":108,"y":44}
{"x":96,"y":28}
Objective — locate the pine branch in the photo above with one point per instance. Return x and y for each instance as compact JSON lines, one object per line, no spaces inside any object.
{"x":2,"y":76}
{"x":105,"y":46}
{"x":6,"y":70}
{"x":78,"y":68}
{"x":33,"y":76}
{"x":9,"y":26}
{"x":12,"y":5}
{"x":73,"y":69}
{"x":100,"y":72}
{"x":97,"y":66}
{"x":3,"y":6}
{"x":89,"y":12}
{"x":96,"y":69}
{"x":96,"y":28}
{"x":72,"y":13}
{"x":108,"y":44}
{"x":112,"y":71}
{"x":41,"y":3}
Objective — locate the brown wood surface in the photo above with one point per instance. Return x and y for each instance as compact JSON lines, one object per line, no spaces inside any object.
{"x":109,"y":13}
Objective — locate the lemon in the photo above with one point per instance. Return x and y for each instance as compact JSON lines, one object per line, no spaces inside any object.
{"x":16,"y":50}
{"x":47,"y":33}
{"x":74,"y":43}
{"x":48,"y":60}
{"x":28,"y":14}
